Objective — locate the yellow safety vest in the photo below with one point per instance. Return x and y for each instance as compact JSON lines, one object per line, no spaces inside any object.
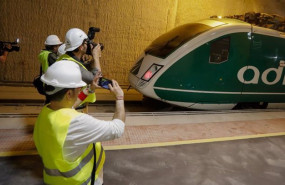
{"x":43,"y":58}
{"x":91,"y":98}
{"x":49,"y":135}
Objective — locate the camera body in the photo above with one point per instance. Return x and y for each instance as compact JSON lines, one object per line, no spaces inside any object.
{"x":91,"y":35}
{"x":14,"y":46}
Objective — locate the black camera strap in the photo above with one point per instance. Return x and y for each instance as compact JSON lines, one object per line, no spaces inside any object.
{"x":94,"y":166}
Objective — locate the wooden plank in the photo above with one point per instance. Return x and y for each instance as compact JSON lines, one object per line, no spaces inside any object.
{"x":30,"y":93}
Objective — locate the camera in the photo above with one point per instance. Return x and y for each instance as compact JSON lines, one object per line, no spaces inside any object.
{"x":14,"y":46}
{"x":91,"y":35}
{"x":104,"y":82}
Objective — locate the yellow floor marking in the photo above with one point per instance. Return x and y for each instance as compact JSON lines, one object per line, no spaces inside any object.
{"x":149,"y":145}
{"x":18,"y":153}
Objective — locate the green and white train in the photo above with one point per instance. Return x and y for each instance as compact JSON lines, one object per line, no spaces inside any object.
{"x":213,"y":64}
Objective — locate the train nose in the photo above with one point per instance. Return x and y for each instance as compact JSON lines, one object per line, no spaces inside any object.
{"x":145,"y":72}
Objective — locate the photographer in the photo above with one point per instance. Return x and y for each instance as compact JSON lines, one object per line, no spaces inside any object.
{"x":76,"y":44}
{"x":49,"y":55}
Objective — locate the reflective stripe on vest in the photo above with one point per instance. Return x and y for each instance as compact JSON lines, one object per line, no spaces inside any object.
{"x":91,"y":98}
{"x":86,"y":159}
{"x":43,"y":58}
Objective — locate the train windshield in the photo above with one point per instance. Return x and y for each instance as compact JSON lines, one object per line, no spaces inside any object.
{"x":172,"y":40}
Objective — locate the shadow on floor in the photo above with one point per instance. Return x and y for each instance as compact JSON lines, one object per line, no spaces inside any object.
{"x":21,"y":170}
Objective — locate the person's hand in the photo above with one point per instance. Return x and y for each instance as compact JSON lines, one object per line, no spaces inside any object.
{"x":95,"y":81}
{"x":116,"y":90}
{"x":87,"y":58}
{"x":8,"y":46}
{"x":96,"y":51}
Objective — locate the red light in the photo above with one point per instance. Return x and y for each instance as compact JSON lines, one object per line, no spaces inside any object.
{"x":147,"y":75}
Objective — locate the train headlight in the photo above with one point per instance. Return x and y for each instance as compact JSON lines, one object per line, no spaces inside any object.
{"x":154,"y":68}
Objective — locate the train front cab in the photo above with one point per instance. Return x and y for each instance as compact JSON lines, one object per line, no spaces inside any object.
{"x":204,"y":72}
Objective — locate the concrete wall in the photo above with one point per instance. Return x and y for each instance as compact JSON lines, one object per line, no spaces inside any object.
{"x":127,"y":27}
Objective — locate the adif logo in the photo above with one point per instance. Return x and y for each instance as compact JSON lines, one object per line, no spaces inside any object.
{"x":264,"y":75}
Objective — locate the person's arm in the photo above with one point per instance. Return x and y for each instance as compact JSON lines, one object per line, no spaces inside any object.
{"x":4,"y":52}
{"x":119,"y":95}
{"x":81,"y":97}
{"x":85,"y":129}
{"x":84,"y":93}
{"x":120,"y":110}
{"x":51,"y":58}
{"x":87,"y":76}
{"x":96,"y":54}
{"x":4,"y":56}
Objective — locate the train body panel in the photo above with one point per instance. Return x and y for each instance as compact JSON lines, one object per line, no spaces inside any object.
{"x":219,"y":65}
{"x":264,"y":77}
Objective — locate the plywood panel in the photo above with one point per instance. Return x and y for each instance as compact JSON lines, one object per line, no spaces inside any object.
{"x":127,"y":27}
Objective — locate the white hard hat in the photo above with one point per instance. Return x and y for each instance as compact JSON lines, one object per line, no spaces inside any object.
{"x":61,"y":50}
{"x":74,"y":38}
{"x":63,"y":74}
{"x":52,"y":40}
